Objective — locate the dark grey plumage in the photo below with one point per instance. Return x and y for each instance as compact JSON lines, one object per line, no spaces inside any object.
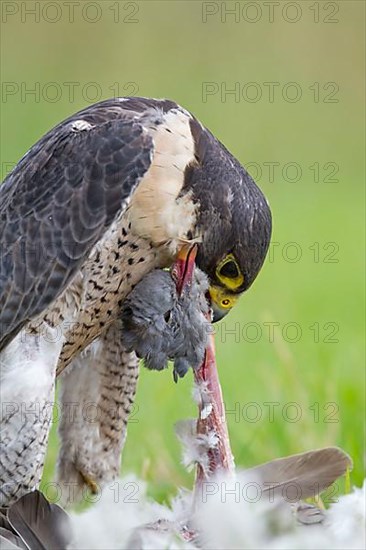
{"x":57,"y":203}
{"x":159,"y":325}
{"x":243,"y":209}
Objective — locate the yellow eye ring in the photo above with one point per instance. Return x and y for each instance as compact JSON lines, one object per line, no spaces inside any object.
{"x":231,"y":281}
{"x":222,"y":299}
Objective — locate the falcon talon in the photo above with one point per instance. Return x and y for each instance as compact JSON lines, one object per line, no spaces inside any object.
{"x":90,"y":483}
{"x":175,"y":376}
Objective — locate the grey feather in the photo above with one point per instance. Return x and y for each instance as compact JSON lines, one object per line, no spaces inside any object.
{"x":159,"y":325}
{"x":4,"y":524}
{"x":40,"y":524}
{"x":9,"y":540}
{"x":303,"y":475}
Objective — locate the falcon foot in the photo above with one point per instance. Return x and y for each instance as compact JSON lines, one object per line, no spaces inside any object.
{"x":90,"y":483}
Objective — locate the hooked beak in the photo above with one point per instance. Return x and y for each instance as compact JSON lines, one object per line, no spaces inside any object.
{"x":217,"y":312}
{"x":183,"y":267}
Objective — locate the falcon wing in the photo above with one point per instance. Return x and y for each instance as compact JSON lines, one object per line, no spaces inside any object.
{"x":57,"y":203}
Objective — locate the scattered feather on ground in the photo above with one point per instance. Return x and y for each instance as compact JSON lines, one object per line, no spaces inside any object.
{"x":223,"y":521}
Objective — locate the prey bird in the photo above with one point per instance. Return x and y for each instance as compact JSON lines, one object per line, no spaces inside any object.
{"x":112,"y":193}
{"x":166,"y":317}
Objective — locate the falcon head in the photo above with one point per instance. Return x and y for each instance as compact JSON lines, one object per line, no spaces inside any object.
{"x":233,"y":220}
{"x":197,"y":190}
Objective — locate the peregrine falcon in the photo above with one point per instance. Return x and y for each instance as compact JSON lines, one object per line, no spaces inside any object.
{"x":108,"y":195}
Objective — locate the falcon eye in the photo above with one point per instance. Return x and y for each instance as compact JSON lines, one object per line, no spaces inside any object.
{"x":226,"y":303}
{"x":229,"y":274}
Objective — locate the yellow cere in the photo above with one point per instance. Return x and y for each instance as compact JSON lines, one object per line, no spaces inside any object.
{"x":228,"y":273}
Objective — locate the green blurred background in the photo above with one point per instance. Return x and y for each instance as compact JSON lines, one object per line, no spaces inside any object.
{"x":311,"y":370}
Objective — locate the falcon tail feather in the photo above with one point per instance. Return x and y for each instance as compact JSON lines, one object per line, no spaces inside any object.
{"x":10,"y":540}
{"x":40,"y":524}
